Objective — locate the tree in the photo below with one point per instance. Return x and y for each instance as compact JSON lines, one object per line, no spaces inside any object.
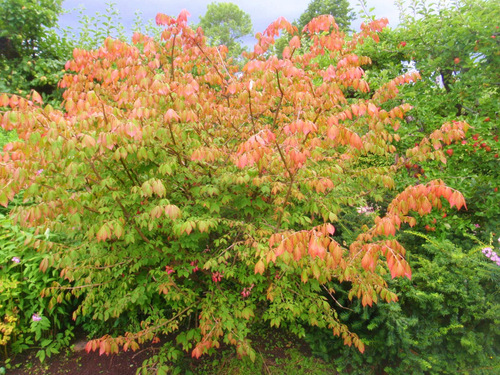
{"x":459,"y":78}
{"x":225,"y":24}
{"x":32,"y":55}
{"x":339,"y":9}
{"x":192,"y":202}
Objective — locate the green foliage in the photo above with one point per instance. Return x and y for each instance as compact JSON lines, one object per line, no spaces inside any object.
{"x":25,"y":23}
{"x":32,"y":54}
{"x":339,"y":9}
{"x":446,"y":320}
{"x":459,"y":78}
{"x":6,"y":137}
{"x":93,"y":30}
{"x":171,"y":197}
{"x":463,"y":53}
{"x":225,"y":24}
{"x":26,"y":319}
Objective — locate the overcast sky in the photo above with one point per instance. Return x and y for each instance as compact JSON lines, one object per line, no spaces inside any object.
{"x":262,"y":12}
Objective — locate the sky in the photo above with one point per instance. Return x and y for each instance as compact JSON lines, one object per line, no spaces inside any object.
{"x":262,"y":12}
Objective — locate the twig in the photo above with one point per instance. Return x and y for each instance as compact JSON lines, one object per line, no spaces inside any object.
{"x":337,"y":302}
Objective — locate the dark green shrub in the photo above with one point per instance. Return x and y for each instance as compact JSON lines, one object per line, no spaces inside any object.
{"x":446,"y":320}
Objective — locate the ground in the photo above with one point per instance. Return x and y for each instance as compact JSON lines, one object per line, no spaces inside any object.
{"x":277,"y":353}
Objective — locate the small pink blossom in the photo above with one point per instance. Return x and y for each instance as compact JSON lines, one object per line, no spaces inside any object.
{"x":366,"y":210}
{"x":169,"y":270}
{"x":16,"y":260}
{"x":489,"y":253}
{"x":39,"y":172}
{"x":36,"y":317}
{"x":216,"y":277}
{"x":194,"y":263}
{"x":246,"y":291}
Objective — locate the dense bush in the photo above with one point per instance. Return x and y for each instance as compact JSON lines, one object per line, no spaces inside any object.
{"x":445,"y":322}
{"x":446,"y":317}
{"x":27,"y":319}
{"x":189,"y":198}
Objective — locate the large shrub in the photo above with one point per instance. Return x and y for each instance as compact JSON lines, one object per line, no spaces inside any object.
{"x":459,"y":81}
{"x":195,"y":199}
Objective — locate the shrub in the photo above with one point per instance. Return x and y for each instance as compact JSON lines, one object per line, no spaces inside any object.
{"x":445,"y":322}
{"x":27,"y":320}
{"x":192,"y":199}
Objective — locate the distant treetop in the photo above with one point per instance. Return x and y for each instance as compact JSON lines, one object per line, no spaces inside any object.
{"x":226,"y":23}
{"x":339,"y":9}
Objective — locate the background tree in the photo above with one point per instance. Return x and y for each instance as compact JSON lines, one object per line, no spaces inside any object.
{"x":446,"y":319}
{"x":339,"y":9}
{"x":226,"y":24}
{"x":32,"y":55}
{"x":459,"y":72}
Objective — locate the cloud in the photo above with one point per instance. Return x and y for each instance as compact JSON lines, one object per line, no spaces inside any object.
{"x":262,"y":12}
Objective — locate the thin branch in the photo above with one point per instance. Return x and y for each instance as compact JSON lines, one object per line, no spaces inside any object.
{"x":78,"y":287}
{"x":288,"y":193}
{"x":223,"y":63}
{"x":134,"y":178}
{"x":172,"y":59}
{"x":337,"y":302}
{"x":280,"y":101}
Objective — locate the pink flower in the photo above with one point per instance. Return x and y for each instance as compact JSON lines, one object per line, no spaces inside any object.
{"x":16,"y":260}
{"x":365,"y":210}
{"x":216,"y":277}
{"x":36,"y":317}
{"x":489,"y":253}
{"x":194,"y":264}
{"x":246,"y":291}
{"x":169,"y":270}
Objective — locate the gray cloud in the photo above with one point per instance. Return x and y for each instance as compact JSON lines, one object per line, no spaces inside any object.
{"x":262,"y":12}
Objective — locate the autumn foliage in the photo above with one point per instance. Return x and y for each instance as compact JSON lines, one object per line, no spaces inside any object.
{"x":196,"y":199}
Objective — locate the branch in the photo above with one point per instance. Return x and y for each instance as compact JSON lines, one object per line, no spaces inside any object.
{"x":280,"y":101}
{"x":337,"y":302}
{"x":134,"y":180}
{"x":172,"y":59}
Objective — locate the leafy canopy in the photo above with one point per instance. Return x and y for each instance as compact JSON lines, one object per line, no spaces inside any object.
{"x":184,"y":192}
{"x":339,"y":9}
{"x":32,"y":55}
{"x":225,"y":24}
{"x":459,"y":78}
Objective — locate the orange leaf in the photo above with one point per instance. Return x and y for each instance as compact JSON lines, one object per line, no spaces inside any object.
{"x":260,"y":267}
{"x":171,"y":114}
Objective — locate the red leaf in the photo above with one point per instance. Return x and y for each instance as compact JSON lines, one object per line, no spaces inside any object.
{"x":37,"y":98}
{"x":171,"y":114}
{"x":295,"y":42}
